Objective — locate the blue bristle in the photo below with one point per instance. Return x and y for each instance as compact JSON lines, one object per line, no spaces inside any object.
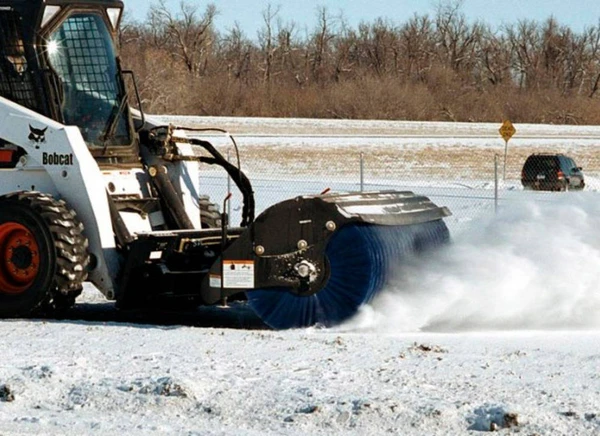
{"x":360,"y":257}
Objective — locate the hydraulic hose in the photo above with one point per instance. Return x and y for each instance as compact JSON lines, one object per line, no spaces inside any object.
{"x":236,"y":174}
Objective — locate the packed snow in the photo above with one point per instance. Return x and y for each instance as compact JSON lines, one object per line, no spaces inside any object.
{"x":73,"y":378}
{"x":498,"y":331}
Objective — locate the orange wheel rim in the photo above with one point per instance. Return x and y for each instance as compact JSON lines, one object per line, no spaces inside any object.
{"x":20,"y":261}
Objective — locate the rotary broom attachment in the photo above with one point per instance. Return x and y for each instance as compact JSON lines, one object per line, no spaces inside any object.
{"x":315,"y":260}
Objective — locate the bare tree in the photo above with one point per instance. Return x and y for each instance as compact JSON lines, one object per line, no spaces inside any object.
{"x":537,"y":72}
{"x":525,"y":41}
{"x":188,"y":32}
{"x":457,"y":39}
{"x":344,"y":49}
{"x":267,"y":40}
{"x":380,"y":45}
{"x":289,"y":47}
{"x":321,"y":44}
{"x":592,"y":68}
{"x":237,"y":53}
{"x":417,"y":40}
{"x":493,"y":59}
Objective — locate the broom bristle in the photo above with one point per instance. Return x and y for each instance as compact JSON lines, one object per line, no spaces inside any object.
{"x":361,"y":257}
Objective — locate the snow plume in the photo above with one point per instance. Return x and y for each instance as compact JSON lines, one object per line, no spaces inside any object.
{"x":534,"y":265}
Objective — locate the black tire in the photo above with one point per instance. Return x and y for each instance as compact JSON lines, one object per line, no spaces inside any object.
{"x":564,"y":187}
{"x":210,"y":217}
{"x":41,"y":239}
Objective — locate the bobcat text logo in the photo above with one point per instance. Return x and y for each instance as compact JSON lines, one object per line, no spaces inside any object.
{"x":57,"y":159}
{"x":37,"y":135}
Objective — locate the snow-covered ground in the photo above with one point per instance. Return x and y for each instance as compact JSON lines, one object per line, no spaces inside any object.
{"x":304,"y":126}
{"x":499,"y":330}
{"x":76,"y":378}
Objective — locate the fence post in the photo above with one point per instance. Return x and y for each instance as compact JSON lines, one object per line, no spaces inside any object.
{"x":228,"y":187}
{"x":362,"y":171}
{"x":505,"y":157}
{"x":495,"y":183}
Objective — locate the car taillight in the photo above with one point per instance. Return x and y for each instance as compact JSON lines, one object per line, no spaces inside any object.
{"x":560,"y":175}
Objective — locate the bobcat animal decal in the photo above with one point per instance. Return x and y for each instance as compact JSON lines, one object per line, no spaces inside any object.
{"x":37,"y":135}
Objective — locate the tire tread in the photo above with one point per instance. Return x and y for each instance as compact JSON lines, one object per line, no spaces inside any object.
{"x":71,"y":248}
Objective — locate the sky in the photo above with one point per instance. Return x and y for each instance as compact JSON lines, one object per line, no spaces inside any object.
{"x":576,"y":14}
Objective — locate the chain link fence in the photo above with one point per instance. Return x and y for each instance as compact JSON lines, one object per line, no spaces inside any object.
{"x":465,"y":172}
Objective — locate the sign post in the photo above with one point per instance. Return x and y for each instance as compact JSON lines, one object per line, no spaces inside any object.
{"x":507,"y":130}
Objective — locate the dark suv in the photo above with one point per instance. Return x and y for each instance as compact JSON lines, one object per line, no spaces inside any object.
{"x":551,"y":172}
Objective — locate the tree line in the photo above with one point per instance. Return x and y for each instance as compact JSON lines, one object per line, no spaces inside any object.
{"x":430,"y":67}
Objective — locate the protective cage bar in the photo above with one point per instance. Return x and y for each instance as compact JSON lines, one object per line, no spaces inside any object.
{"x":16,"y":80}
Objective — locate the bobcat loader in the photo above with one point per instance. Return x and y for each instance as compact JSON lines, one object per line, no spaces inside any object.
{"x":92,"y":190}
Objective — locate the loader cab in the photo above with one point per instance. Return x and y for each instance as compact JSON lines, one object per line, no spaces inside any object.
{"x":59,"y":58}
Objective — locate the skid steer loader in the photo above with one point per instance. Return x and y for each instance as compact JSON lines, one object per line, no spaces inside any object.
{"x":90,"y":189}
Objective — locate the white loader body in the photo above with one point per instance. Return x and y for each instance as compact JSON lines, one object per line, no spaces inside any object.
{"x":58,"y":162}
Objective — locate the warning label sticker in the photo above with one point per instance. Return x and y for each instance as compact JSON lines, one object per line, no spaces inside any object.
{"x":238,"y":274}
{"x":214,"y":281}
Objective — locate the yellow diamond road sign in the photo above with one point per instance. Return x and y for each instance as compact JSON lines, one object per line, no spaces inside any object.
{"x":507,"y":130}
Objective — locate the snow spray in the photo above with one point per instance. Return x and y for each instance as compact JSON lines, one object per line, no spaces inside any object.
{"x":535,"y":265}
